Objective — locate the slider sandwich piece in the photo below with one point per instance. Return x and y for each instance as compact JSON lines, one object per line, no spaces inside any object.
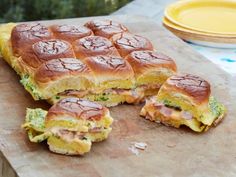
{"x":93,"y":46}
{"x":114,"y":82}
{"x":151,"y":69}
{"x":70,"y":126}
{"x":184,"y":99}
{"x":126,"y":43}
{"x":58,"y":75}
{"x":106,"y":28}
{"x":70,"y":33}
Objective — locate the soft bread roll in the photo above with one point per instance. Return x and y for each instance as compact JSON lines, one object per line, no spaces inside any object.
{"x":151,"y":69}
{"x":126,"y":43}
{"x":93,"y":46}
{"x":45,"y":50}
{"x":106,"y":28}
{"x":70,"y":33}
{"x":26,"y":34}
{"x":185,"y":99}
{"x":111,"y":72}
{"x":58,"y":75}
{"x":70,"y":126}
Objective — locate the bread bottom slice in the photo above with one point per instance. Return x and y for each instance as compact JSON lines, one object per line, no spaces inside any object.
{"x":73,"y":147}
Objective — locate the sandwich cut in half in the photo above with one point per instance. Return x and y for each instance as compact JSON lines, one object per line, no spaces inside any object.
{"x":70,"y":126}
{"x":184,"y":99}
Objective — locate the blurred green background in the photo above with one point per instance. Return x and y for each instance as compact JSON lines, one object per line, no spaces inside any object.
{"x":28,"y":10}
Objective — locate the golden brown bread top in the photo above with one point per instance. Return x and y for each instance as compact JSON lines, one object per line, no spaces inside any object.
{"x":191,"y":85}
{"x":45,"y":50}
{"x":92,"y":46}
{"x":144,"y":60}
{"x":106,"y":28}
{"x":53,"y":69}
{"x":110,"y":66}
{"x":24,"y":35}
{"x":127,"y":43}
{"x":70,"y":33}
{"x":77,"y":108}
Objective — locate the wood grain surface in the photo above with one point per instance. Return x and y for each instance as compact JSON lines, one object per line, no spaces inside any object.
{"x":169,"y":152}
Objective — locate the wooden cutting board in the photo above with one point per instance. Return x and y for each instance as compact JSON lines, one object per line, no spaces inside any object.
{"x":169,"y":152}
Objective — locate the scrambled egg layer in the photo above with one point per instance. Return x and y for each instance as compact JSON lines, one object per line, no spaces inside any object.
{"x":119,"y":83}
{"x":104,"y":99}
{"x":6,"y":49}
{"x":155,"y":76}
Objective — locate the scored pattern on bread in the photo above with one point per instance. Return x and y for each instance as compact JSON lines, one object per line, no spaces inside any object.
{"x":106,"y":28}
{"x":103,"y":47}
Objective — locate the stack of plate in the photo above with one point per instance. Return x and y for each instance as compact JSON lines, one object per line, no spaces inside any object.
{"x":205,"y":22}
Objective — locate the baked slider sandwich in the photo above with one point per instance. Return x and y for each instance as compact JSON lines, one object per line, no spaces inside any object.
{"x":126,"y":43}
{"x":151,"y":69}
{"x":93,"y":46}
{"x":58,"y":75}
{"x":114,"y":82}
{"x":70,"y":33}
{"x":184,"y":99}
{"x":106,"y":28}
{"x":70,"y":126}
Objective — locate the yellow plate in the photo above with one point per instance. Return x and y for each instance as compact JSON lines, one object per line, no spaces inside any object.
{"x":211,"y":16}
{"x":202,"y":38}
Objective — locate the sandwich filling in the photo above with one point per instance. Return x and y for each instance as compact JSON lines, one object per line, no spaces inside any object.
{"x":175,"y":115}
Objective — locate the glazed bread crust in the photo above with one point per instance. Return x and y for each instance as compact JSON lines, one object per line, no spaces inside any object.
{"x":77,"y":108}
{"x":193,"y":86}
{"x":110,"y":68}
{"x":24,"y":35}
{"x":146,"y":60}
{"x":70,"y":33}
{"x":56,"y":68}
{"x":92,"y":46}
{"x":127,"y":43}
{"x":106,"y":28}
{"x":45,"y":50}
